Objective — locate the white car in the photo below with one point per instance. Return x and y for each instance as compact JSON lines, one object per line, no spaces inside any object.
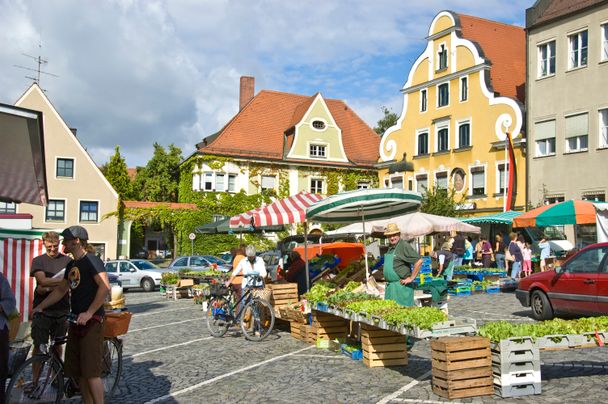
{"x":136,"y":273}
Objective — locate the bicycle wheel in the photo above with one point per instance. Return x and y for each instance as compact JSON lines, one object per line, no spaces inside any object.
{"x":218,"y":316}
{"x":46,"y":387}
{"x":257,"y":319}
{"x":111,"y":365}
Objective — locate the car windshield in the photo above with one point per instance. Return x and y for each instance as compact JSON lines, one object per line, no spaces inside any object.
{"x":552,"y":233}
{"x":215,"y":260}
{"x":144,"y":265}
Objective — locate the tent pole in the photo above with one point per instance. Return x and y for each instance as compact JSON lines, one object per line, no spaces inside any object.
{"x":306,"y":255}
{"x":365,"y":248}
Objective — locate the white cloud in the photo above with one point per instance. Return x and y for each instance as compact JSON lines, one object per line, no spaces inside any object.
{"x":135,"y":72}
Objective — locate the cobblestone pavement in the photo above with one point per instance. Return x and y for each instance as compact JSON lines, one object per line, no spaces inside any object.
{"x":171,"y":358}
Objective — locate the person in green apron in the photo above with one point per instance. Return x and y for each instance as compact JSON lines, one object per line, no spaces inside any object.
{"x":401,"y":266}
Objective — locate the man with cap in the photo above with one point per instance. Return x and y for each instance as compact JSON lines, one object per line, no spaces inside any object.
{"x":401,"y":266}
{"x":87,"y":280}
{"x":445,"y":260}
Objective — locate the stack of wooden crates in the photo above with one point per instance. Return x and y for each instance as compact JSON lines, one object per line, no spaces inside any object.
{"x":282,"y":294}
{"x":462,"y":367}
{"x":382,"y":348}
{"x":327,"y":326}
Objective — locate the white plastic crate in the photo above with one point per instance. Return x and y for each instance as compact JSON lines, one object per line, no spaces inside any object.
{"x":517,"y":391}
{"x":517,"y":378}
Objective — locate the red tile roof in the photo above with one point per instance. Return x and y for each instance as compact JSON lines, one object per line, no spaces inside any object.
{"x":558,"y":8}
{"x":132,"y":173}
{"x":505,"y":47}
{"x":146,"y":204}
{"x":258,"y":129}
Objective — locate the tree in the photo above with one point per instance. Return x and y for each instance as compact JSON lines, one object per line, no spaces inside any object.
{"x":158,"y":181}
{"x":442,"y":202}
{"x":116,"y":173}
{"x":389,"y":119}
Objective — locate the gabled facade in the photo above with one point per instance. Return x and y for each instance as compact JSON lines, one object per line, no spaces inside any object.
{"x":567,"y":102}
{"x":284,"y":143}
{"x":463,"y":95}
{"x":79,"y":194}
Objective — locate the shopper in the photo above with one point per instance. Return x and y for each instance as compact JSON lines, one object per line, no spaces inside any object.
{"x":499,"y":251}
{"x":401,"y":266}
{"x":87,"y":281}
{"x":515,"y":253}
{"x":445,"y":262}
{"x":8,"y":306}
{"x":251,"y":265}
{"x":458,"y":248}
{"x":526,"y":252}
{"x":545,"y":252}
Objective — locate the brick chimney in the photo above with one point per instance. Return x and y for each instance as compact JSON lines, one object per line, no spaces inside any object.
{"x":247,"y":91}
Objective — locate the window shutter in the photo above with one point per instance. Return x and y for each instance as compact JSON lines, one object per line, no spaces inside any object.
{"x":544,"y":130}
{"x":577,"y":125}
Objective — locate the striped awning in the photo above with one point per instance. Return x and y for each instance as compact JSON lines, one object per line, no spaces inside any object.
{"x":501,"y":218}
{"x":285,"y":211}
{"x":280,"y":212}
{"x":364,"y":204}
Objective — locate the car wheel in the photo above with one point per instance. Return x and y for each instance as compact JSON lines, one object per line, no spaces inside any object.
{"x":147,"y":284}
{"x":541,"y":306}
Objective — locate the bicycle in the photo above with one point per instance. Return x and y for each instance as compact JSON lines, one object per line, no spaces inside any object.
{"x":256,"y":315}
{"x":50,"y":385}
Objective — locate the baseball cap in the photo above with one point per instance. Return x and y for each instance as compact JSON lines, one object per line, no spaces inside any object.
{"x":73,"y":232}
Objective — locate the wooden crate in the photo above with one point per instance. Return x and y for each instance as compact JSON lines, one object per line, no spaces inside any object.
{"x":462,"y":367}
{"x":382,"y":348}
{"x":328,"y":326}
{"x":283,"y":293}
{"x":295,"y":329}
{"x":307,"y":334}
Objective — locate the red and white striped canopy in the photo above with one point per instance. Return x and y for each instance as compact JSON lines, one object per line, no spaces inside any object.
{"x":280,"y":212}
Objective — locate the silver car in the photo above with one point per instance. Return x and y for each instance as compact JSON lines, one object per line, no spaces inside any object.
{"x":200,"y":262}
{"x":136,"y":273}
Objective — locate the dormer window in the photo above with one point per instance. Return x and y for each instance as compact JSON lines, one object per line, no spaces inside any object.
{"x":317,"y":151}
{"x":319,"y":125}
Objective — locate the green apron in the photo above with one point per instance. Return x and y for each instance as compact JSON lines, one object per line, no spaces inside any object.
{"x":402,"y":294}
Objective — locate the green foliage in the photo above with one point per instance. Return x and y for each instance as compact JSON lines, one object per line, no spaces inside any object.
{"x":158,"y":181}
{"x":422,"y":317}
{"x":116,"y":173}
{"x":441,"y":202}
{"x":389,"y":119}
{"x":499,"y":330}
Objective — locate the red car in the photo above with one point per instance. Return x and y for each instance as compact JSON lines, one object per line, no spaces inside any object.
{"x":579,"y":286}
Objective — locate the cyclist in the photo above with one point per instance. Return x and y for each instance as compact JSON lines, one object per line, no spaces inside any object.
{"x":252,"y":265}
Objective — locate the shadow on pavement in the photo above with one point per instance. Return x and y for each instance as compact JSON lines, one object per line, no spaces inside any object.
{"x":143,"y":307}
{"x":138,"y":384}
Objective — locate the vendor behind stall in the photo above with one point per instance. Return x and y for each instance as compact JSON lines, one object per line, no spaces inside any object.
{"x":296,"y":271}
{"x":401,"y":266}
{"x":445,"y":261}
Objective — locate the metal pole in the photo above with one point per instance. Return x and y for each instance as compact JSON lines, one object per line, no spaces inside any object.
{"x":306,"y":255}
{"x":504,"y":196}
{"x":192,"y":246}
{"x":365,"y":248}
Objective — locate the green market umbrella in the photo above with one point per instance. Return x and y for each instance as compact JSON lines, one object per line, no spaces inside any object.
{"x":496,"y":218}
{"x":362,"y":205}
{"x":558,"y":214}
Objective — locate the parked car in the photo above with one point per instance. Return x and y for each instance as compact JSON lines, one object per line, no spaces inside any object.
{"x":114,"y":279}
{"x":579,"y":286}
{"x":132,"y":276}
{"x":199,"y":263}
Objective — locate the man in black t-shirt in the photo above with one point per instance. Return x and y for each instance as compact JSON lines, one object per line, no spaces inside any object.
{"x":87,"y":280}
{"x":47,"y":270}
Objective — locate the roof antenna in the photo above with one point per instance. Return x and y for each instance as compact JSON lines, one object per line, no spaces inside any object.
{"x":40,"y":61}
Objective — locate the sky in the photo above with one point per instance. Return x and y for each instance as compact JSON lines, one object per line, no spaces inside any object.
{"x":134,"y":72}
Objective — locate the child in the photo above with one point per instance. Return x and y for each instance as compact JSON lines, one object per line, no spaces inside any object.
{"x":527,"y":254}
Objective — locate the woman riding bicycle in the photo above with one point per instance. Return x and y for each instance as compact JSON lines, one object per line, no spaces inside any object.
{"x":252,"y":265}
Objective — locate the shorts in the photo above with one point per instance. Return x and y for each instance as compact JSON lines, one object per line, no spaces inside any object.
{"x":83,"y":355}
{"x":50,"y":324}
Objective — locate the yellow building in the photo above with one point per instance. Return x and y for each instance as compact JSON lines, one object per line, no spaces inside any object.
{"x":462,"y":97}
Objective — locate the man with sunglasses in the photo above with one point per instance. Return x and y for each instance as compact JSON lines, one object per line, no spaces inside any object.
{"x":45,"y":268}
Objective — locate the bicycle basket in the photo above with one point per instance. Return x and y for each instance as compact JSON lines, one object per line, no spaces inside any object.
{"x":116,"y":324}
{"x":219,"y":290}
{"x":16,"y":356}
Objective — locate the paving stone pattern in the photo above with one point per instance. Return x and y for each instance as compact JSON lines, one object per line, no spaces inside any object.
{"x":171,"y":358}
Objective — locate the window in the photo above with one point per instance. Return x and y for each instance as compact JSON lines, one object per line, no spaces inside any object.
{"x":501,"y":180}
{"x":111,"y":267}
{"x":208,"y":182}
{"x":464,"y":134}
{"x":89,"y":211}
{"x":587,"y":261}
{"x":442,"y":56}
{"x":544,"y":137}
{"x":576,"y":133}
{"x":604,"y":41}
{"x":441,"y":180}
{"x":397,"y":182}
{"x":577,"y":44}
{"x":220,"y":182}
{"x":443,"y":139}
{"x":423,"y":143}
{"x":65,"y":168}
{"x":594,"y":197}
{"x":231,"y":182}
{"x":55,"y":211}
{"x":422,"y":183}
{"x":423,"y":100}
{"x":316,"y":186}
{"x":319,"y":125}
{"x":317,"y":151}
{"x":268,"y":182}
{"x":443,"y":95}
{"x":603,"y":128}
{"x":8,"y":207}
{"x":554,"y":199}
{"x":546,"y":59}
{"x":464,"y":88}
{"x":387,"y":183}
{"x":478,"y":179}
{"x":363,"y":185}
